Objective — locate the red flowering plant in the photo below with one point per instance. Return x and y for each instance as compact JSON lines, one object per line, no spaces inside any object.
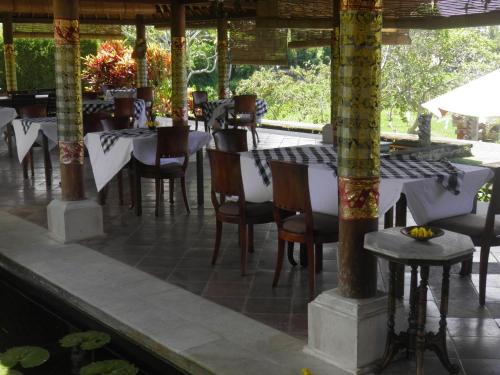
{"x":112,"y":65}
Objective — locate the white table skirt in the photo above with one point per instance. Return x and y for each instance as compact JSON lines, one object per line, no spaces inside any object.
{"x":24,"y":141}
{"x":106,"y":165}
{"x":427,"y":200}
{"x":7,"y":114}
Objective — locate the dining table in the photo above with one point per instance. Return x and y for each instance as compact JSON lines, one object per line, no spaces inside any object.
{"x":216,"y":110}
{"x":111,"y":151}
{"x":433,"y":189}
{"x":29,"y":131}
{"x":98,"y":105}
{"x":7,"y":114}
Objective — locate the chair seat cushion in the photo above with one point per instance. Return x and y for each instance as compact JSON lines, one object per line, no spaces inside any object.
{"x":323,"y":224}
{"x":253,"y":210}
{"x":471,"y":225}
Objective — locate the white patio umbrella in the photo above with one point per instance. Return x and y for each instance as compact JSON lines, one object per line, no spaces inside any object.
{"x":478,"y":98}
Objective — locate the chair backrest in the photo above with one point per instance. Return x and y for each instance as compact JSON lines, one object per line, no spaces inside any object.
{"x":172,"y":143}
{"x":124,"y":107}
{"x":32,"y":110}
{"x":146,"y":93}
{"x":231,"y":140}
{"x":92,"y":121}
{"x":494,"y":205}
{"x":22,"y":100}
{"x":290,"y":186}
{"x":90,"y":95}
{"x":225,"y":170}
{"x":199,"y":97}
{"x":245,"y":104}
{"x":52,"y":104}
{"x":114,"y":123}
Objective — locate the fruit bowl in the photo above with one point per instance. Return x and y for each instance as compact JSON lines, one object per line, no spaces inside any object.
{"x":422,"y":232}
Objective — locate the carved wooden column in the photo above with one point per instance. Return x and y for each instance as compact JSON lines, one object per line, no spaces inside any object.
{"x":140,"y":53}
{"x":73,"y":217}
{"x":9,"y":53}
{"x":69,"y":98}
{"x":334,"y":66}
{"x":179,"y":73}
{"x":222,"y":58}
{"x":358,"y":141}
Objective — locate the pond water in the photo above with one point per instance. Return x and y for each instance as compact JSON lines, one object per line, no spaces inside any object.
{"x":24,"y":320}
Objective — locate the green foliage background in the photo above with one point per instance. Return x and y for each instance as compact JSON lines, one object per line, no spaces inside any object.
{"x":35,"y":62}
{"x":435,"y":62}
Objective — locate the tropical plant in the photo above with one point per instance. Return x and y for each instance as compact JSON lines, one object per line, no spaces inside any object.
{"x":111,"y":65}
{"x":295,"y":94}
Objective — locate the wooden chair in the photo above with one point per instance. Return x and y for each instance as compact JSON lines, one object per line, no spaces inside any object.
{"x":92,"y":121}
{"x":227,"y":181}
{"x":115,"y":123}
{"x":244,"y":114}
{"x":231,"y":140}
{"x":296,"y":221}
{"x":199,"y":97}
{"x":32,"y":111}
{"x":483,"y":230}
{"x":148,"y":95}
{"x":124,"y":107}
{"x":172,"y":143}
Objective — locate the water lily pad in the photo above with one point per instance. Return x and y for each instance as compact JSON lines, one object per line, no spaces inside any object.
{"x":26,"y":356}
{"x":8,"y":371}
{"x":89,"y":340}
{"x":110,"y":367}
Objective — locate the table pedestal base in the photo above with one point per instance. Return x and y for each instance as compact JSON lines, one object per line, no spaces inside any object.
{"x":415,"y":340}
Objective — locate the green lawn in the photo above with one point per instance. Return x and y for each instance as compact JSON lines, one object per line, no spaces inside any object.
{"x":439,"y":127}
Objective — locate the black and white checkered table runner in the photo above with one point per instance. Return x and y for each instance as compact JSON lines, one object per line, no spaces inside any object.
{"x":394,"y":167}
{"x":26,"y":123}
{"x":209,"y":107}
{"x":109,"y":138}
{"x":109,"y":106}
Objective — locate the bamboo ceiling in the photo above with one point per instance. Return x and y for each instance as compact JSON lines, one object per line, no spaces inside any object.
{"x":427,"y":14}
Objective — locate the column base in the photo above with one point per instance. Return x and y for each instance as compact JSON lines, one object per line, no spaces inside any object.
{"x":349,"y":333}
{"x":71,"y":221}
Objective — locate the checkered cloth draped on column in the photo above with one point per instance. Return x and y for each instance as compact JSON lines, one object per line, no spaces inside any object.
{"x":392,"y":167}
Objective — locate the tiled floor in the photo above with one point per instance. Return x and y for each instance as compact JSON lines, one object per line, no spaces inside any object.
{"x":177,"y":247}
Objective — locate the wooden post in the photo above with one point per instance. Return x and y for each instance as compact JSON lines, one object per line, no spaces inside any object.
{"x":179,"y":73}
{"x":222,"y":58}
{"x":9,"y":53}
{"x":358,"y":141}
{"x":334,"y":66}
{"x":140,"y":53}
{"x":69,"y":97}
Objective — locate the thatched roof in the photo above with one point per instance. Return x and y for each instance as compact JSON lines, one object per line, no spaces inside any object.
{"x":267,"y":13}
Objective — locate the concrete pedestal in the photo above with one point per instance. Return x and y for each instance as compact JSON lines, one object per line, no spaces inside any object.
{"x":349,"y":333}
{"x":327,"y":134}
{"x":74,"y":220}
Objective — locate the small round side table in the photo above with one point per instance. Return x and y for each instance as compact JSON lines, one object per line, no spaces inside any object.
{"x":442,"y":251}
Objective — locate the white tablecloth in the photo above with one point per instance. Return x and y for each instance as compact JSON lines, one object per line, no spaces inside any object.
{"x":29,"y":133}
{"x":105,"y":165}
{"x":427,"y":199}
{"x":6,"y":116}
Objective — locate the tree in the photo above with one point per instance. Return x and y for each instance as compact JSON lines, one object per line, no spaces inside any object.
{"x":435,"y":62}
